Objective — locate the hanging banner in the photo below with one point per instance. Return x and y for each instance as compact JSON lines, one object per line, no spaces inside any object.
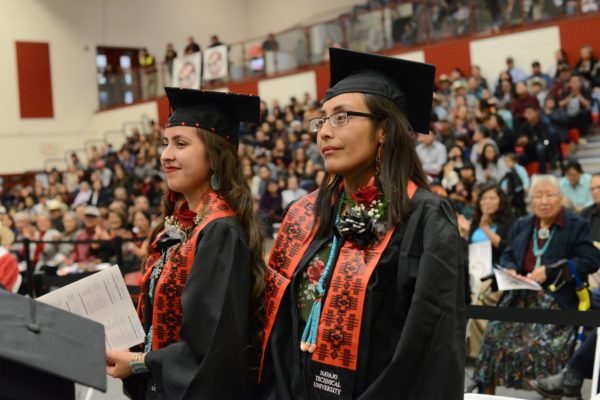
{"x":187,"y":71}
{"x":216,"y":63}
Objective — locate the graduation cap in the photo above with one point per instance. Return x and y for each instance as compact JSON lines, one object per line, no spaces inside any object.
{"x":44,"y":350}
{"x":409,"y":84}
{"x":217,"y":112}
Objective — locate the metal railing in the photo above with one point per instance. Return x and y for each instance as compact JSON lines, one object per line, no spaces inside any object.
{"x":35,"y":281}
{"x":381,"y":28}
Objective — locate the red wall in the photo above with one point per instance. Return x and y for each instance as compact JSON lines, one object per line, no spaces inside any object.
{"x":322,"y":74}
{"x":574,"y":34}
{"x":449,"y":55}
{"x":35,"y":82}
{"x":162,"y":104}
{"x":245,"y":87}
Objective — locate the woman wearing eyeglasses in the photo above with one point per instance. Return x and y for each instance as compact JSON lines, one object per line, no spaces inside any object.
{"x":515,"y":352}
{"x":364,"y":286}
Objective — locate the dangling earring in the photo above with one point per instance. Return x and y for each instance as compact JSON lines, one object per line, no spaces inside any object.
{"x":214,"y":179}
{"x":378,"y":160}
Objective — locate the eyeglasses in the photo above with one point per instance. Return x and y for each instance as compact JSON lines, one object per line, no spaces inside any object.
{"x":549,"y":196}
{"x":337,"y":120}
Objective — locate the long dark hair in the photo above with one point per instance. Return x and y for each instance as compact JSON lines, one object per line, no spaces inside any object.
{"x":235,"y":190}
{"x":400,"y":164}
{"x":500,"y":217}
{"x":482,"y":158}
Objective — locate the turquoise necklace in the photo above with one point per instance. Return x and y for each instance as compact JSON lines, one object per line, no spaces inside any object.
{"x":309,"y":336}
{"x":537,"y":252}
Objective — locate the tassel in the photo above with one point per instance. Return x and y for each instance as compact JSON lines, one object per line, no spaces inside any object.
{"x":309,"y":336}
{"x":308,"y":342}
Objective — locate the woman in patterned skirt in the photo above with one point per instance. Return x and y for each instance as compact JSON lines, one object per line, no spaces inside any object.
{"x":512,"y":352}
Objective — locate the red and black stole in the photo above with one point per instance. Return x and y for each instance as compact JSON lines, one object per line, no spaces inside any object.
{"x":166,"y":313}
{"x":334,"y":362}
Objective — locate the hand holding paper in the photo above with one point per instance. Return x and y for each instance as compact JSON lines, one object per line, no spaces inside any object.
{"x":102,"y":297}
{"x":508,"y":281}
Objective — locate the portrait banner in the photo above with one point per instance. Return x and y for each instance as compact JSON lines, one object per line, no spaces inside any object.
{"x":187,"y":71}
{"x":216,"y":63}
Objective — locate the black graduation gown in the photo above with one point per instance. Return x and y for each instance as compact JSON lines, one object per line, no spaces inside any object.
{"x":413,"y":324}
{"x":215,"y":358}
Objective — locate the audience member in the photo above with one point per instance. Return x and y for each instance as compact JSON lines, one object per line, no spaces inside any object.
{"x":433,"y":154}
{"x":515,"y":72}
{"x":150,"y":77}
{"x":577,"y":101}
{"x":215,"y":41}
{"x":592,"y":212}
{"x":516,"y":184}
{"x":490,"y":166}
{"x":192,"y":47}
{"x":535,"y":138}
{"x":42,"y":254}
{"x":292,"y":193}
{"x":270,"y":43}
{"x":575,"y":185}
{"x":586,"y":63}
{"x":170,"y":55}
{"x":513,"y":351}
{"x":536,"y":72}
{"x":492,"y":222}
{"x":87,"y":254}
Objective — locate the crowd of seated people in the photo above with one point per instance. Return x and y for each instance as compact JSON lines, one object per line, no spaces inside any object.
{"x":487,"y":139}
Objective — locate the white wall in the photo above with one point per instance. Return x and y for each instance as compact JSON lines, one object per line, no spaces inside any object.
{"x":30,"y":151}
{"x":525,"y":47}
{"x":154,"y":23}
{"x":124,"y":119}
{"x":287,"y":86}
{"x":72,"y":67}
{"x":417,"y":56}
{"x":26,"y":143}
{"x":73,"y":29}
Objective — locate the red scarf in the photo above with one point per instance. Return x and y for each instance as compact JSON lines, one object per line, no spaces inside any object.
{"x":341,"y":319}
{"x":167,"y":314}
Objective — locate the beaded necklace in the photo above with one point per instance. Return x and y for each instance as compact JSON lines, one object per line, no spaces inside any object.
{"x":309,"y":336}
{"x":179,"y":226}
{"x":537,"y":252}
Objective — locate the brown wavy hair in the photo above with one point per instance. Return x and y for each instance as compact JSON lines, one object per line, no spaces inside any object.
{"x":235,"y":190}
{"x":400,"y":164}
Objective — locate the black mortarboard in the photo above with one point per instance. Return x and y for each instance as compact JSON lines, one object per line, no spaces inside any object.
{"x":409,"y":84}
{"x":217,"y":112}
{"x":44,"y":350}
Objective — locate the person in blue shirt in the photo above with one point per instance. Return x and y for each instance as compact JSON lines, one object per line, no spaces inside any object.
{"x":575,"y":185}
